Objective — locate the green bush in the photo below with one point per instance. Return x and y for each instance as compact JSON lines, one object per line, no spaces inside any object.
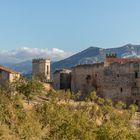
{"x":95,"y":119}
{"x":120,"y":105}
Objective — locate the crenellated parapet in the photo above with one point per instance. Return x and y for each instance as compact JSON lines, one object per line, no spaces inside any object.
{"x":41,"y":68}
{"x":111,"y":55}
{"x":41,"y":60}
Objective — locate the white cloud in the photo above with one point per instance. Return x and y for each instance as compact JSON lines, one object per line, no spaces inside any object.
{"x":25,"y":53}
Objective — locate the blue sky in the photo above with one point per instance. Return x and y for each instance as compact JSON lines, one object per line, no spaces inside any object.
{"x":70,"y":25}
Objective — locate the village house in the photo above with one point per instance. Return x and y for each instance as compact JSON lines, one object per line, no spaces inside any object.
{"x":7,"y":75}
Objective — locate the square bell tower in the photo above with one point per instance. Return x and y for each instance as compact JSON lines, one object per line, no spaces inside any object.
{"x":41,"y":68}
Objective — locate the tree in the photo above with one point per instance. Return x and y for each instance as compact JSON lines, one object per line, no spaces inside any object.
{"x":29,"y":88}
{"x":120,"y":105}
{"x":91,"y":96}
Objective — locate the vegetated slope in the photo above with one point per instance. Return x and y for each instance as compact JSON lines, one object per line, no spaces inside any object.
{"x":60,"y":117}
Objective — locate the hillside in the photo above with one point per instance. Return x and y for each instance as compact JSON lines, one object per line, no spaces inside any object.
{"x":23,"y":67}
{"x":95,"y":54}
{"x":59,"y":115}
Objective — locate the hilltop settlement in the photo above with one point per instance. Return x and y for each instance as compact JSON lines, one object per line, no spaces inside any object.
{"x":116,"y":78}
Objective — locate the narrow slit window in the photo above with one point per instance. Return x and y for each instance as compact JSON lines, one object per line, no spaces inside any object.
{"x":47,"y":69}
{"x":136,"y":74}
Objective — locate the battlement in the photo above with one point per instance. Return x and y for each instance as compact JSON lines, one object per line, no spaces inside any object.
{"x":41,"y":68}
{"x":111,"y":55}
{"x":41,"y":60}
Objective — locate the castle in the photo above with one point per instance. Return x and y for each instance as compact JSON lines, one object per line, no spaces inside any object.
{"x":115,"y":78}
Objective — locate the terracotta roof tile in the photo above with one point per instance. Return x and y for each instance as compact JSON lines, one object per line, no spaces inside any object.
{"x":8,"y":70}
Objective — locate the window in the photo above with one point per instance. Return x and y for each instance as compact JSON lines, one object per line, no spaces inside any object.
{"x":137,"y":102}
{"x":136,"y":74}
{"x":88,"y":78}
{"x":121,"y":89}
{"x":47,"y":69}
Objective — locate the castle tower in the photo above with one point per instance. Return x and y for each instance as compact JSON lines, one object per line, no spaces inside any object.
{"x":110,"y":58}
{"x":41,"y":68}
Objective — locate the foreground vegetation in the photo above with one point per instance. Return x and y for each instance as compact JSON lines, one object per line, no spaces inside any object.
{"x":60,"y":117}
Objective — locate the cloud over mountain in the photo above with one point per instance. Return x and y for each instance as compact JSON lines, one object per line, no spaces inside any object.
{"x":25,"y":53}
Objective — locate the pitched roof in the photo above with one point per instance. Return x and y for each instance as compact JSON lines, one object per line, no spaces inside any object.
{"x":8,"y":70}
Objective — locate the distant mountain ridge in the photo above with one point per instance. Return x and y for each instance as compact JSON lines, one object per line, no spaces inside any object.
{"x":23,"y":67}
{"x":87,"y":56}
{"x":95,"y":54}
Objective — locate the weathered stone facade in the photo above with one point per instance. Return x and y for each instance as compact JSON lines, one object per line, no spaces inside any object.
{"x":41,"y":68}
{"x":116,"y":78}
{"x":86,"y":78}
{"x":62,"y":79}
{"x":7,"y":75}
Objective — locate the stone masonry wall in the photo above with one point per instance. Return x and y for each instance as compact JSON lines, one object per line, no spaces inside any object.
{"x":41,"y":67}
{"x":115,"y":81}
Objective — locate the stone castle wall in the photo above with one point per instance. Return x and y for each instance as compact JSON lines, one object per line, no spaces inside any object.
{"x":62,"y":79}
{"x":119,"y":82}
{"x":84,"y":78}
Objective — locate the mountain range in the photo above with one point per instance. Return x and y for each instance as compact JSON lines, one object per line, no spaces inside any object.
{"x":88,"y":56}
